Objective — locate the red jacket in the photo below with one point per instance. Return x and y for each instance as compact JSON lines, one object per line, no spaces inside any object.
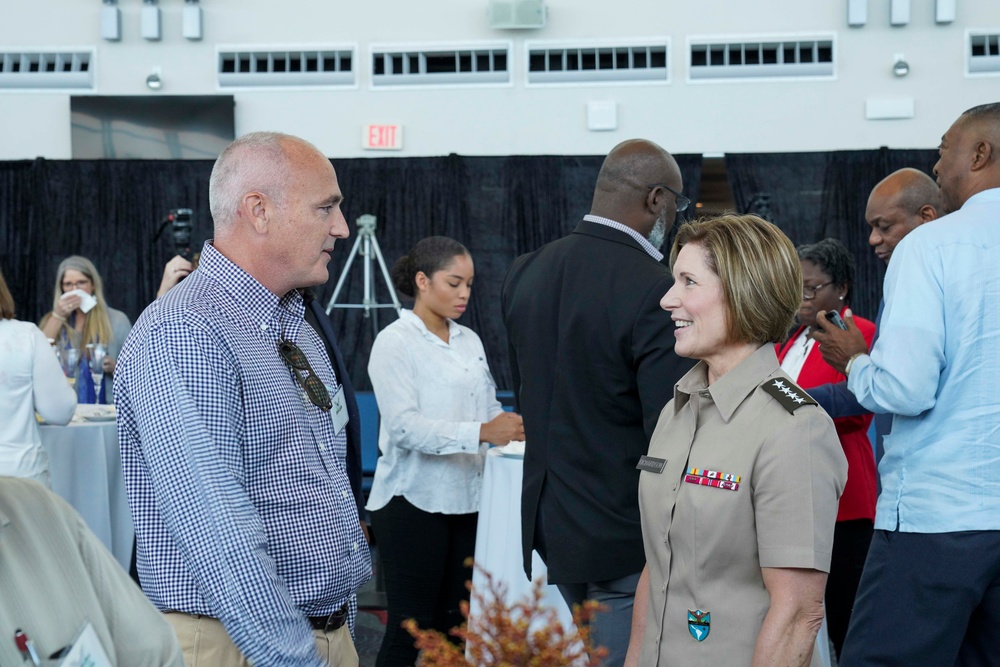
{"x":860,"y":493}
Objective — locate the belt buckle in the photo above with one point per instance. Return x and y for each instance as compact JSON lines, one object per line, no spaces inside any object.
{"x":336,"y":620}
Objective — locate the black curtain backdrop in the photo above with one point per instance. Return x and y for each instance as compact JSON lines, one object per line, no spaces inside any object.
{"x":110,"y":211}
{"x":813,"y":196}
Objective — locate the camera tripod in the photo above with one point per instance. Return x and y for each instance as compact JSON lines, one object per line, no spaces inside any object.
{"x":369,"y":249}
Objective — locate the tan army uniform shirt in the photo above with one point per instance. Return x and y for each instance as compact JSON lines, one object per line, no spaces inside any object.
{"x":55,"y":575}
{"x":747,"y":483}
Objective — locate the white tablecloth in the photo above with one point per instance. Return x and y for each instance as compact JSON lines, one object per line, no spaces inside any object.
{"x":498,"y":544}
{"x":86,"y":470}
{"x":498,"y":538}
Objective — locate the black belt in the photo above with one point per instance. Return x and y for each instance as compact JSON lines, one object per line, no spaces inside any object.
{"x":334,"y":621}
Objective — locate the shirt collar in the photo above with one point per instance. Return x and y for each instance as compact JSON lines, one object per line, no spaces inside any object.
{"x":729,"y":391}
{"x":644,"y":242}
{"x":260,"y":304}
{"x":414,"y":320}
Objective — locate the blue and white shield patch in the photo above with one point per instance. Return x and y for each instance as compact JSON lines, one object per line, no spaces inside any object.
{"x":699,"y":624}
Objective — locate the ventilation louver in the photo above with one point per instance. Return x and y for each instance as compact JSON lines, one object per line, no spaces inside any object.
{"x":46,"y":69}
{"x":467,"y":65}
{"x":760,"y":59}
{"x":984,"y":53}
{"x":252,"y":67}
{"x":597,"y":64}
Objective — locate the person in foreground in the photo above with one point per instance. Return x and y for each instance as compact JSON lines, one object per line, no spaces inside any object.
{"x":827,"y":284}
{"x":739,"y":490}
{"x":72,"y":324}
{"x":930,"y":592}
{"x":438,"y":404}
{"x":30,"y":381}
{"x":231,"y":425}
{"x":56,"y":576}
{"x":592,"y":365}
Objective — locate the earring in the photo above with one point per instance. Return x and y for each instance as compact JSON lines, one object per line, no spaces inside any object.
{"x":841,"y":297}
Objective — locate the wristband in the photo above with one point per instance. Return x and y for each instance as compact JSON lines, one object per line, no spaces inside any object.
{"x":847,"y":368}
{"x":58,"y":317}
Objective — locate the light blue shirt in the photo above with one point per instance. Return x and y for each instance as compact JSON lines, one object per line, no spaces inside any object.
{"x":936,"y":367}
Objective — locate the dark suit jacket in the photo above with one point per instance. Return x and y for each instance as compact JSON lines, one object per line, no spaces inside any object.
{"x":317,"y":317}
{"x":593,"y":365}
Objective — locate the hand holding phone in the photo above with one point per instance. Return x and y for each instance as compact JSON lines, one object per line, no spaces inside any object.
{"x":835,"y":318}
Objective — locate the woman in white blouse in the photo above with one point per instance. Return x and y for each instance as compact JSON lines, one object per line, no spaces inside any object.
{"x":438,"y":407}
{"x":30,"y":380}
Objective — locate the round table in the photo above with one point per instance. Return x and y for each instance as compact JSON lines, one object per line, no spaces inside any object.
{"x":86,"y":469}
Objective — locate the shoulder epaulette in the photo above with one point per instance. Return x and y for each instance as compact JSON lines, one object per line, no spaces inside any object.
{"x":789,"y":395}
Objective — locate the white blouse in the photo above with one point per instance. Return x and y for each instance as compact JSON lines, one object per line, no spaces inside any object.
{"x":432,"y":397}
{"x":30,"y":380}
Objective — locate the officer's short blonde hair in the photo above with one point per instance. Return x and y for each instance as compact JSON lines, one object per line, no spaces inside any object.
{"x":759,"y":269}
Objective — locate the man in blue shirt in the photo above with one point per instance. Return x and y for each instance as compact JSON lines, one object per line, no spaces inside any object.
{"x":231,"y":423}
{"x":930,"y":593}
{"x":898,"y":204}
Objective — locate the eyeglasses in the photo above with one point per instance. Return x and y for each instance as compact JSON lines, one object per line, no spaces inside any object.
{"x":68,"y":286}
{"x":809,"y":293}
{"x":682,"y":201}
{"x":313,"y":386}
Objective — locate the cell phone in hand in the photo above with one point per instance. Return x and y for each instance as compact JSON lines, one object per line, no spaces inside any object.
{"x":836,"y":319}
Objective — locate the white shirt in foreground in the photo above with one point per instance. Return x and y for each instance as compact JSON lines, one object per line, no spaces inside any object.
{"x":30,"y":380}
{"x":432,"y":397}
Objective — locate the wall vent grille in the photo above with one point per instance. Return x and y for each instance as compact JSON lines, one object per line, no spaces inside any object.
{"x":286,"y":67}
{"x":46,"y":69}
{"x":984,"y":53}
{"x":597,"y":64}
{"x":763,"y":58}
{"x":433,"y":66}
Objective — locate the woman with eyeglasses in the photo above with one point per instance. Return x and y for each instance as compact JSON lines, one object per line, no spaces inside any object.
{"x":30,"y":381}
{"x":827,"y":277}
{"x":438,"y":406}
{"x":75,"y":322}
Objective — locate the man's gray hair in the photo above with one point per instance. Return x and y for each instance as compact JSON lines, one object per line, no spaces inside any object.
{"x":256,"y":162}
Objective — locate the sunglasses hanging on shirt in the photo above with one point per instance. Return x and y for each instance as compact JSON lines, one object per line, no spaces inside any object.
{"x":310,"y":382}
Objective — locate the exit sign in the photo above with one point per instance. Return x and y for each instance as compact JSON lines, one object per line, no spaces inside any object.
{"x":382,"y":137}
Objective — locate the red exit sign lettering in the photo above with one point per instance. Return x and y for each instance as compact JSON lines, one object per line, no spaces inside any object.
{"x":382,"y":137}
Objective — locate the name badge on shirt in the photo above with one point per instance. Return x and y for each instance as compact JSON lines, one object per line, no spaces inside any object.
{"x":86,"y":650}
{"x":338,"y":413}
{"x":650,"y":464}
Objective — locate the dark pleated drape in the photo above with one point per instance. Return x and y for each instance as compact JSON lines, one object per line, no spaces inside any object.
{"x":110,"y":211}
{"x":812,"y":196}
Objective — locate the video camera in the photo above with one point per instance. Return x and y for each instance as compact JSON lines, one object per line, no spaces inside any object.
{"x":180,"y":230}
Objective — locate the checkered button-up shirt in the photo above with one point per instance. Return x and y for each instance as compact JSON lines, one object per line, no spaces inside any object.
{"x":236,"y":481}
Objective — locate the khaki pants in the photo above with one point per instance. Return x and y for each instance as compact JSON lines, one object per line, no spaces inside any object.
{"x":205,"y":643}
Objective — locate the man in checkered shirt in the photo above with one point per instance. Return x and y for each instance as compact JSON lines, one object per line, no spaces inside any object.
{"x":247,"y":533}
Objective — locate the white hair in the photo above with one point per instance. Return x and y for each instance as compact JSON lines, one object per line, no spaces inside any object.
{"x":256,"y":162}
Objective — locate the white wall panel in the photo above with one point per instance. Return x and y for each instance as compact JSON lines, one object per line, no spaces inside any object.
{"x":684,"y":116}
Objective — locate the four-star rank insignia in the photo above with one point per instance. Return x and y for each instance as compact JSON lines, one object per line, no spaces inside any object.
{"x":699,"y":623}
{"x":789,"y":395}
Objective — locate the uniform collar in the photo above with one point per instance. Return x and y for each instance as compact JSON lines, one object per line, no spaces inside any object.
{"x":732,"y":388}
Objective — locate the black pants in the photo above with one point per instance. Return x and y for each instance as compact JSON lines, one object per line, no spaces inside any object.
{"x":422,"y":557}
{"x":927,"y":599}
{"x":851,"y":540}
